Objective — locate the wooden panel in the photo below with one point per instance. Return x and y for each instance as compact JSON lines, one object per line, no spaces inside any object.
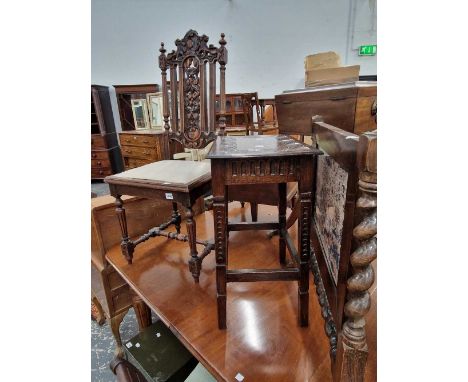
{"x":98,"y":142}
{"x":364,"y":120}
{"x":141,"y":152}
{"x":294,"y":113}
{"x":138,"y":140}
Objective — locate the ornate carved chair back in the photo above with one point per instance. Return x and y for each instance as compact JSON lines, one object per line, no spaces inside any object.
{"x":189,"y":100}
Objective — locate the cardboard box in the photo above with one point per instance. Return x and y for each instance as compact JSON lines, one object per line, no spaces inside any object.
{"x":322,"y":61}
{"x":331,"y":76}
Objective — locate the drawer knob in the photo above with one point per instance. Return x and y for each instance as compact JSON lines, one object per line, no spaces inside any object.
{"x":99,"y":163}
{"x":93,"y":155}
{"x":145,"y":141}
{"x":134,"y":138}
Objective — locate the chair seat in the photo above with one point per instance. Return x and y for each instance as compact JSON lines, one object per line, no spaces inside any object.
{"x":180,"y":175}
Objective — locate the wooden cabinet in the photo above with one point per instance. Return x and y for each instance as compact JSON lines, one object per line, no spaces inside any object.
{"x":234,"y":110}
{"x":105,"y":153}
{"x":348,"y":106}
{"x":130,"y":97}
{"x":140,"y":147}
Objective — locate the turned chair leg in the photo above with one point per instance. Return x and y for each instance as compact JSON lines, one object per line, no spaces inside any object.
{"x":254,"y":211}
{"x":176,"y":216}
{"x":126,"y":244}
{"x":194,"y":262}
{"x":115,"y":327}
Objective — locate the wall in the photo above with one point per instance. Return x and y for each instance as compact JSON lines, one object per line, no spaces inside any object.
{"x":267,"y":40}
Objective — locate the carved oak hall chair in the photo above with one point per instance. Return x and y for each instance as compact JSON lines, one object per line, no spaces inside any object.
{"x":344,"y":241}
{"x":190,"y":102}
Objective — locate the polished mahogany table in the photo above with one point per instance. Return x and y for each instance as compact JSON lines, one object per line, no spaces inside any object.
{"x":263,"y":342}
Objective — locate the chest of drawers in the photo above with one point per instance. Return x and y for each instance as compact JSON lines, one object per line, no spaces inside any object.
{"x":140,"y":147}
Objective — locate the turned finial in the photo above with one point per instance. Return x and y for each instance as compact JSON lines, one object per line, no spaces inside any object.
{"x":222,"y":41}
{"x":162,"y":50}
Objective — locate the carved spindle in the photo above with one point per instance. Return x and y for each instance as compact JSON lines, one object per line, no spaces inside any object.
{"x":354,"y":344}
{"x":222,"y":59}
{"x":163,"y":67}
{"x":126,"y":244}
{"x":174,"y":112}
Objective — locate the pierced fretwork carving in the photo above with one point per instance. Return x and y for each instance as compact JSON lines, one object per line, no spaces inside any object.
{"x":354,"y":344}
{"x":191,"y":57}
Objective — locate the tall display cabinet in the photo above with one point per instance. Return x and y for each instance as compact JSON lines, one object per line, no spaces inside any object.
{"x":105,"y":152}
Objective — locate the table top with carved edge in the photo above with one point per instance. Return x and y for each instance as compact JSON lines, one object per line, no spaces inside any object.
{"x":257,"y":146}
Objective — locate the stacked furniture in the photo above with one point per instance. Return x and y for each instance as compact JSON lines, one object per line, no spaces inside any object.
{"x":351,"y":107}
{"x":234,"y":111}
{"x":125,"y":95}
{"x":105,"y":153}
{"x":110,"y":293}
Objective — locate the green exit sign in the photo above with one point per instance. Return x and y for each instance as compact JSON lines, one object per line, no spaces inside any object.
{"x":367,"y":50}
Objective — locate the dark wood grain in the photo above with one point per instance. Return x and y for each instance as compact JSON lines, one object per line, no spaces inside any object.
{"x":183,"y":182}
{"x":104,"y":143}
{"x":263,"y":342}
{"x":347,"y":106}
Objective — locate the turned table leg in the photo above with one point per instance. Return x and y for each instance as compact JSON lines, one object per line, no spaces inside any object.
{"x":282,"y":221}
{"x":142,"y":312}
{"x":305,"y":211}
{"x":254,"y":211}
{"x":194,"y":262}
{"x":126,"y":244}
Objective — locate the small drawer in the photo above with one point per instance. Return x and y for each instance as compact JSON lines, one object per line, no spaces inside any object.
{"x":138,"y":140}
{"x":103,"y":155}
{"x":100,"y":163}
{"x":98,"y":172}
{"x":122,"y":298}
{"x":140,"y":152}
{"x":98,"y":141}
{"x":132,"y":163}
{"x":115,"y":281}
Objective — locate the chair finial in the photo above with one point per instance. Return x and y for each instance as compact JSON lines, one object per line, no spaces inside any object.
{"x":162,"y":50}
{"x":222,"y":41}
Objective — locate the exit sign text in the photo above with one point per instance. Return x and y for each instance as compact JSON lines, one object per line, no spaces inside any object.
{"x":367,"y":50}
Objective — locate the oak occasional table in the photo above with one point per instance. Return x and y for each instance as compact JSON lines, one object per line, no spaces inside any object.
{"x":263,"y":160}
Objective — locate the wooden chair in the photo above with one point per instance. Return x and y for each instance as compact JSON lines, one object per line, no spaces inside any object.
{"x":192,"y":102}
{"x":110,"y":294}
{"x":344,"y":241}
{"x":250,"y":102}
